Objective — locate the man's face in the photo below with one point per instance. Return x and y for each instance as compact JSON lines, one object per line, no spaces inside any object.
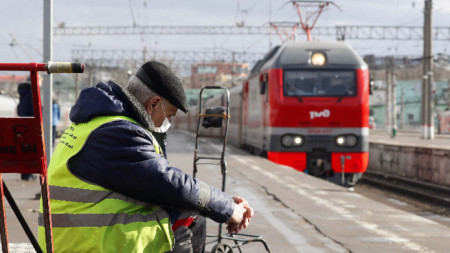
{"x":161,"y":109}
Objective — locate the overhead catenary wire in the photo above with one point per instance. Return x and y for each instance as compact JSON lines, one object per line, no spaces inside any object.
{"x":254,"y":8}
{"x":130,"y":4}
{"x":14,"y":42}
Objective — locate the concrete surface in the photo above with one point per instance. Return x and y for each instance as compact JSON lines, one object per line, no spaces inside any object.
{"x":298,"y":213}
{"x":411,"y":156}
{"x":294,"y":212}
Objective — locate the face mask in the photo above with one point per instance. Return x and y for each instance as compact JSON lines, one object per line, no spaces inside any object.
{"x":164,"y":126}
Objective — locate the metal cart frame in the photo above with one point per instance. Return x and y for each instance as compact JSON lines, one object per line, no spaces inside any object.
{"x":238,"y":239}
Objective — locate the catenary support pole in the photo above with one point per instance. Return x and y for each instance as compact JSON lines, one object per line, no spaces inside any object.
{"x":430,"y":114}
{"x":48,"y":79}
{"x":426,"y":115}
{"x":448,"y":95}
{"x":402,"y":110}
{"x":388,"y":110}
{"x":393,"y":99}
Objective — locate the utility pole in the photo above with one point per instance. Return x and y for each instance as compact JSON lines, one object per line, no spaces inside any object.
{"x":448,"y":95}
{"x":89,"y":77}
{"x":76,"y":87}
{"x":402,"y":110}
{"x":233,"y":69}
{"x":393,"y":98}
{"x":430,"y":119}
{"x":427,"y":89}
{"x":388,"y":110}
{"x":145,"y":53}
{"x":48,"y":80}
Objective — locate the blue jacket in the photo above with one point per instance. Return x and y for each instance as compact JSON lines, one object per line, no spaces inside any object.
{"x":56,"y":114}
{"x":120,"y":156}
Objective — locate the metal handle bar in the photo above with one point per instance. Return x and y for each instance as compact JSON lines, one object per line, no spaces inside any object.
{"x":50,"y":67}
{"x":64,"y":67}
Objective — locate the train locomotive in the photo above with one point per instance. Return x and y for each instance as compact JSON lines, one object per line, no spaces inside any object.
{"x":305,"y":105}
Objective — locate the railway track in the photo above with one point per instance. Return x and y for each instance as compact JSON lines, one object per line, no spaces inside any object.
{"x":419,"y":190}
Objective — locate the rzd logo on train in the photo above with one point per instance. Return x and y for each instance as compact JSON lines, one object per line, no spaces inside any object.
{"x":323,"y":114}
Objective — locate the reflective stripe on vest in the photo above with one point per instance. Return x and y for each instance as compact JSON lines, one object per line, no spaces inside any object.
{"x":90,"y":196}
{"x":98,"y":220}
{"x":89,"y":218}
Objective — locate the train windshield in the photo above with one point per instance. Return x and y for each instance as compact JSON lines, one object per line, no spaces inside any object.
{"x":320,"y":83}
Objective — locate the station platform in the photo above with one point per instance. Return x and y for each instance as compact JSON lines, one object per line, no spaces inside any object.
{"x":408,"y":155}
{"x":294,"y":212}
{"x":411,"y":139}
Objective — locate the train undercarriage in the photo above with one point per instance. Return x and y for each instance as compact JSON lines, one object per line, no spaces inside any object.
{"x":319,"y":164}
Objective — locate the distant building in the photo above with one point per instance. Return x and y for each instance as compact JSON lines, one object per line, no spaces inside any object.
{"x":444,"y":122}
{"x":217,"y":73}
{"x":408,"y":103}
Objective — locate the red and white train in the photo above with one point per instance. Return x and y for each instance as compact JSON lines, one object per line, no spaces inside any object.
{"x":304,"y":105}
{"x":8,"y":106}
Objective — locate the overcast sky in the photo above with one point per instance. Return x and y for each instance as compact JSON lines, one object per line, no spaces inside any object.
{"x":23,"y":20}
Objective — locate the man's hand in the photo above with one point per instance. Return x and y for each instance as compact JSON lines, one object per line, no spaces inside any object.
{"x":241,"y":216}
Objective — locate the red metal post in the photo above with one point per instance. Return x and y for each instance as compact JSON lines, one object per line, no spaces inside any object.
{"x":24,"y":141}
{"x":3,"y":228}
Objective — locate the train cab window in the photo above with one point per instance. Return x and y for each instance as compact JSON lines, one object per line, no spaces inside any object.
{"x":330,"y":83}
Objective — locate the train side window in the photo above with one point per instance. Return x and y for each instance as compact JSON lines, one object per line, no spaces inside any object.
{"x":267,"y":88}
{"x":263,"y":83}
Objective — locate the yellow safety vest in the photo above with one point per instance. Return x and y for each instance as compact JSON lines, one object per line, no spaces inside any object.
{"x":89,"y":218}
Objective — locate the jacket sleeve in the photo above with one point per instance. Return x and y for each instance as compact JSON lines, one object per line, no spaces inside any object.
{"x":120,"y":156}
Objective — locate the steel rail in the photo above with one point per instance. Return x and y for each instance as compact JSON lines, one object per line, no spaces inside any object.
{"x":427,"y":192}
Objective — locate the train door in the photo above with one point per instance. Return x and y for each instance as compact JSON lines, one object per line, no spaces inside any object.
{"x":265,"y":110}
{"x":253,"y":116}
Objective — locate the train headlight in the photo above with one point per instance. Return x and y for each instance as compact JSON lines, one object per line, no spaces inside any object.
{"x":348,"y":140}
{"x":340,"y":141}
{"x":287,"y":141}
{"x":318,"y":59}
{"x":298,"y":140}
{"x":351,"y":140}
{"x":291,"y":140}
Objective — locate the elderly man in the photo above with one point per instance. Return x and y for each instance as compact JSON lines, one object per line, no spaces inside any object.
{"x":111,"y":186}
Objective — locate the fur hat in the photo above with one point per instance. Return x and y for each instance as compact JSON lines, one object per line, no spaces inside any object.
{"x":160,"y":79}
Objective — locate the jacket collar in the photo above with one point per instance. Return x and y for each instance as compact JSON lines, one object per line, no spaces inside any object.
{"x":137,"y":109}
